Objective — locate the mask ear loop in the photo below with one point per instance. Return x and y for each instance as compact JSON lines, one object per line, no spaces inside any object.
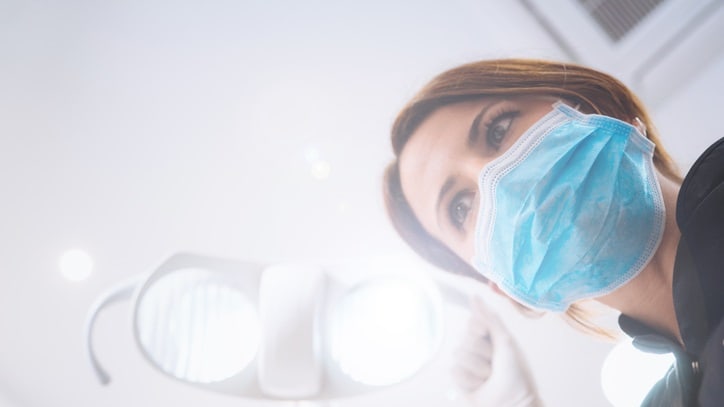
{"x":640,"y":126}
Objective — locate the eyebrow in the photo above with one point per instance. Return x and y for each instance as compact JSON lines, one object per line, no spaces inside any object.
{"x":474,"y":132}
{"x":473,"y":135}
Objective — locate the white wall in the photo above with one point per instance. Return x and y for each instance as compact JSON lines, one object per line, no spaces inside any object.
{"x":5,"y":400}
{"x":689,"y":119}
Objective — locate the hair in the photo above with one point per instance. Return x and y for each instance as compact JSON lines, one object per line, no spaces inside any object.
{"x":592,"y":91}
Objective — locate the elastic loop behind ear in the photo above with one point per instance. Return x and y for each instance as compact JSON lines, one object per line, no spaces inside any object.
{"x":640,"y":126}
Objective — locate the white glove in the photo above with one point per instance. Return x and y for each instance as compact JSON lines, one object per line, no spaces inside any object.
{"x":489,"y":367}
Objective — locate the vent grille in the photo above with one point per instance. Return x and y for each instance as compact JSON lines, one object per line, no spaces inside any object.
{"x":618,"y":17}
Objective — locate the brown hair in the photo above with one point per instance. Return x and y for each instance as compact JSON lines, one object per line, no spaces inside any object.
{"x":591,"y":90}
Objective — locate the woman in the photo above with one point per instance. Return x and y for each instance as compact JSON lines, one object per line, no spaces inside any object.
{"x":548,"y":182}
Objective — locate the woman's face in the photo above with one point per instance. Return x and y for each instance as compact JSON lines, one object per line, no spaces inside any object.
{"x":440,"y":164}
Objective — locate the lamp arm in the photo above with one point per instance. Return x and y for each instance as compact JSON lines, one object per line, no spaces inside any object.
{"x":122,"y":291}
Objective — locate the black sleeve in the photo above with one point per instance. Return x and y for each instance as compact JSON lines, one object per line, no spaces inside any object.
{"x":711,"y":391}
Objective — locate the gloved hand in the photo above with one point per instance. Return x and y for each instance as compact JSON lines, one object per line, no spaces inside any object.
{"x":489,"y":367}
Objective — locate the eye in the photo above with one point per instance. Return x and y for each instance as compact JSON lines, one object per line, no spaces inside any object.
{"x":459,"y":208}
{"x":498,"y":128}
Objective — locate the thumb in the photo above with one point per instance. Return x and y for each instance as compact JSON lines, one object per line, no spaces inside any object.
{"x":510,"y":382}
{"x":483,"y":315}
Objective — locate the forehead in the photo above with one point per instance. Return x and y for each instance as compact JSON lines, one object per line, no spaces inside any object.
{"x":428,"y":157}
{"x":439,"y":128}
{"x":434,"y":137}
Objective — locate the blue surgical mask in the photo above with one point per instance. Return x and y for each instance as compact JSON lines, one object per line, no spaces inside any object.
{"x":572,"y":210}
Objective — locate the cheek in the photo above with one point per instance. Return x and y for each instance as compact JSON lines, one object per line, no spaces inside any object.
{"x":466,"y":248}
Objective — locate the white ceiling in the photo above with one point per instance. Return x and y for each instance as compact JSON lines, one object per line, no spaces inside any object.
{"x":137,"y":129}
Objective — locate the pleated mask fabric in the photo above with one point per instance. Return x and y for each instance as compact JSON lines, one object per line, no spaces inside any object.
{"x":573,"y":210}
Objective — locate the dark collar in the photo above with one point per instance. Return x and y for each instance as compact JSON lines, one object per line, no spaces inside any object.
{"x":698,"y":284}
{"x":705,"y":176}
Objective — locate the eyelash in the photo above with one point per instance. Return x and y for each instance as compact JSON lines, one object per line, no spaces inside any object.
{"x":504,"y":114}
{"x":458,"y":200}
{"x":494,"y":141}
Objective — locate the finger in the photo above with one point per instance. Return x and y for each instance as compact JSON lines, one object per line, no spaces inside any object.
{"x":463,"y":381}
{"x":481,"y":309}
{"x":478,"y":328}
{"x":481,"y":370}
{"x":470,"y":380}
{"x":475,"y":365}
{"x":480,"y":352}
{"x":487,"y":317}
{"x":481,"y":347}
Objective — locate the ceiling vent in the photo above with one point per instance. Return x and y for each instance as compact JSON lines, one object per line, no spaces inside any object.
{"x":618,"y":17}
{"x":652,"y":45}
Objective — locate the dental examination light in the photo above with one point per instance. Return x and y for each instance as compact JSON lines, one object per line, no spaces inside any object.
{"x":285,"y":332}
